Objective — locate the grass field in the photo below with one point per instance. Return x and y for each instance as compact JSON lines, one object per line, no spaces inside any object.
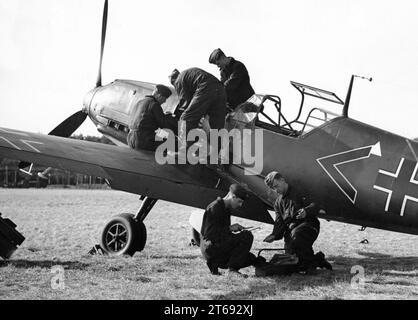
{"x":61,"y":226}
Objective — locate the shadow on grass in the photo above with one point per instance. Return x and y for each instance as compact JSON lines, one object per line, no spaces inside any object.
{"x":25,"y":264}
{"x":280,"y":284}
{"x":181,"y":257}
{"x":377,"y":262}
{"x":374,"y":263}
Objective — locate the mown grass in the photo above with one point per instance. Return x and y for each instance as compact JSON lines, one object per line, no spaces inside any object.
{"x":61,"y":226}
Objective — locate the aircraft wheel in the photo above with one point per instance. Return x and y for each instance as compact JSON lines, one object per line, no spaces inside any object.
{"x":122,"y":235}
{"x":195,"y":238}
{"x":142,"y":236}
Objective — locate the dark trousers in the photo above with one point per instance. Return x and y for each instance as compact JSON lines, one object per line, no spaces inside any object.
{"x":233,"y":252}
{"x":299,"y":241}
{"x":209,"y":100}
{"x":142,"y":140}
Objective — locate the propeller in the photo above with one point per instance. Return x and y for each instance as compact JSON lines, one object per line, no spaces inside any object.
{"x":72,"y":123}
{"x":64,"y":129}
{"x":69,"y":125}
{"x":104,"y":25}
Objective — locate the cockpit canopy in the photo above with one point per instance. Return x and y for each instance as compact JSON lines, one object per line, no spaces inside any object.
{"x":266,"y":111}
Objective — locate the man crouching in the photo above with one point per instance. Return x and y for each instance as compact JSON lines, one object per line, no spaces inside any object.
{"x":147,"y":117}
{"x":219,"y":245}
{"x":296,"y":221}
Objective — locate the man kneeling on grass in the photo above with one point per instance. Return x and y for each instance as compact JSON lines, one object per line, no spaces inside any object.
{"x":220,"y":246}
{"x":296,"y":222}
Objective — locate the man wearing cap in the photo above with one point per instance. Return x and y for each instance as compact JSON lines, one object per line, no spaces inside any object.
{"x":147,"y":117}
{"x":234,"y":76}
{"x":296,"y":221}
{"x":200,"y":94}
{"x":219,"y":245}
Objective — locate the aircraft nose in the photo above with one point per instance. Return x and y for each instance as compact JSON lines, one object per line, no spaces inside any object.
{"x":87,"y":100}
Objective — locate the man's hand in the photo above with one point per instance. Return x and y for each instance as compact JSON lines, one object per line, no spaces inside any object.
{"x":270,"y":238}
{"x":301,"y":214}
{"x":273,"y":195}
{"x":236,"y":227}
{"x":204,"y":124}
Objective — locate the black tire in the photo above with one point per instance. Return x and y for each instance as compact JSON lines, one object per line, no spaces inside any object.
{"x":142,"y":236}
{"x":122,"y":236}
{"x":195,"y":237}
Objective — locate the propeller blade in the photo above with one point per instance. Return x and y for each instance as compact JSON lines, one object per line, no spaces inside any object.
{"x":104,"y":25}
{"x":69,"y":125}
{"x":64,"y":129}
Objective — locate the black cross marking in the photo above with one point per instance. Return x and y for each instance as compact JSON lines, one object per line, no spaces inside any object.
{"x":400,"y":186}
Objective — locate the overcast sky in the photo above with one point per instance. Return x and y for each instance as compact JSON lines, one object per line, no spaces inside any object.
{"x":49,"y":52}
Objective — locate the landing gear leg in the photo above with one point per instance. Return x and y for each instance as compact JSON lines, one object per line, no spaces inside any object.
{"x":126,"y":233}
{"x":146,"y":206}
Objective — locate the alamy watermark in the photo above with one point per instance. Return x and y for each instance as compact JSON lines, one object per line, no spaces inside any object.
{"x":358,"y":280}
{"x":214,"y":146}
{"x":58,"y":280}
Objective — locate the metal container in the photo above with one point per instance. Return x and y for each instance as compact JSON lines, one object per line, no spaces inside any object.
{"x":10,"y":238}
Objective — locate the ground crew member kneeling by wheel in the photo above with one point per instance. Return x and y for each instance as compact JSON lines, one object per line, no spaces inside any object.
{"x":219,"y":245}
{"x":297,"y":222}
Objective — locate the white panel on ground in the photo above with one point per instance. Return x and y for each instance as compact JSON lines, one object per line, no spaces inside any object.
{"x":195,"y":219}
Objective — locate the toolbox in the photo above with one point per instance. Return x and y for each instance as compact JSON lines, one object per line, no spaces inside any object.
{"x":279,"y":264}
{"x":10,"y":238}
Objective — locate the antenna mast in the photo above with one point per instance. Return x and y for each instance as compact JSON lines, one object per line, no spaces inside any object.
{"x":350,"y":88}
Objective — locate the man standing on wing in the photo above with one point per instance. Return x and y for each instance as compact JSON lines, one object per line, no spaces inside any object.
{"x":234,"y":76}
{"x":200,"y":94}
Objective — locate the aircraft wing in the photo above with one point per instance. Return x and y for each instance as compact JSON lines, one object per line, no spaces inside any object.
{"x":125,"y":169}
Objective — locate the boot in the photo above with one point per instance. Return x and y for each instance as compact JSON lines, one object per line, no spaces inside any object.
{"x":213,"y":268}
{"x":234,"y":273}
{"x":322,"y":262}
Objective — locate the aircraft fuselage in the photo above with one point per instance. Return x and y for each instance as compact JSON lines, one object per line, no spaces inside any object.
{"x":357,"y":173}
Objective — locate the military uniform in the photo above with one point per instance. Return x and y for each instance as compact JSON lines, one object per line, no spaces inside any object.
{"x":219,"y":246}
{"x":237,"y":82}
{"x":145,"y":120}
{"x":299,"y":234}
{"x":200,"y":94}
